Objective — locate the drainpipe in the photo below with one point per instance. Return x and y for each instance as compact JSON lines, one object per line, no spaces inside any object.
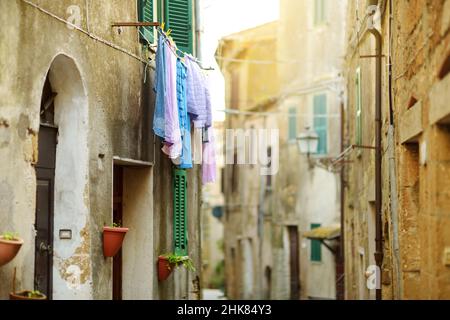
{"x":378,"y":151}
{"x":398,"y":293}
{"x":198,"y":29}
{"x":341,"y":294}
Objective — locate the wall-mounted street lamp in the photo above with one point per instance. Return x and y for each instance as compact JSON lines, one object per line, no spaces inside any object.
{"x":308,"y":143}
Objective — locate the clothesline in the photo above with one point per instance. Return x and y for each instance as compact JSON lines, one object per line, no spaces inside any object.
{"x":268,"y":113}
{"x":200,"y":63}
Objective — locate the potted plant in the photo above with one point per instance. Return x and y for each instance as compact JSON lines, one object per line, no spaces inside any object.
{"x":169,"y":261}
{"x":113,"y":239}
{"x":10,"y":244}
{"x":25,"y":294}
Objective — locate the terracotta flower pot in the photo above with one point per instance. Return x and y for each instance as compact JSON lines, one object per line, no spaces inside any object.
{"x":9,"y":249}
{"x":112,"y":240}
{"x":164,"y":268}
{"x":23,"y":295}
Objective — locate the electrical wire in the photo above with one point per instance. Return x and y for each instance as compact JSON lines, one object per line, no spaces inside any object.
{"x":92,"y":36}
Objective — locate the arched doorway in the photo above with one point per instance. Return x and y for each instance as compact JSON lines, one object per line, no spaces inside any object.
{"x":45,"y":184}
{"x":62,"y":245}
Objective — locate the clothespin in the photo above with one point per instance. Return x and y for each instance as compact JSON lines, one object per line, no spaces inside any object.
{"x":162,"y":25}
{"x":169,"y":32}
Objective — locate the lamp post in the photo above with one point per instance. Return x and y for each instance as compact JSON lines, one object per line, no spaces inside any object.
{"x":308,"y":143}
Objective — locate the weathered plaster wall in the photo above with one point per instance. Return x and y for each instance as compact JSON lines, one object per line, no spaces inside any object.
{"x":118,"y":112}
{"x":72,"y":272}
{"x":137,"y":252}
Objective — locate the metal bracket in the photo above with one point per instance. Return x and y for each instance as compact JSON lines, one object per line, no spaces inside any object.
{"x":135,"y":24}
{"x":373,"y":56}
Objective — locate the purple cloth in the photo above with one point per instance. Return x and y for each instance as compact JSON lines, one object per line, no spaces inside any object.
{"x":198,"y":95}
{"x":172,"y":133}
{"x":209,"y":159}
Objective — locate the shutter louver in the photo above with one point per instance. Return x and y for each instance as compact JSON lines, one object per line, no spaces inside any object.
{"x":145,"y":8}
{"x":178,"y":17}
{"x":179,"y":211}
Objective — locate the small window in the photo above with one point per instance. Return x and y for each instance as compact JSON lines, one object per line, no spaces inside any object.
{"x":316,"y":246}
{"x":319,"y":12}
{"x":321,"y":122}
{"x":358,"y":103}
{"x":292,"y":126}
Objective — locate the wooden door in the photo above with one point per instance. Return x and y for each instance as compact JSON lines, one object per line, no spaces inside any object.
{"x":294,"y":263}
{"x":117,"y":218}
{"x":45,"y":180}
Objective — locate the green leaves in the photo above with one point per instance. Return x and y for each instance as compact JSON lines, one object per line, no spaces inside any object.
{"x":34,"y":294}
{"x":117,"y":225}
{"x":177,"y":260}
{"x":10,"y":236}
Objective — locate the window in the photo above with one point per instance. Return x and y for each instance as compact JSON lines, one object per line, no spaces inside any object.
{"x":178,"y":17}
{"x":358,"y":102}
{"x":145,"y":14}
{"x":180,"y":211}
{"x":292,"y":127}
{"x":316,"y":246}
{"x":319,"y":11}
{"x":320,"y":122}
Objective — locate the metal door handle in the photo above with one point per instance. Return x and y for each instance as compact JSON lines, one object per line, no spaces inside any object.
{"x":43,"y":247}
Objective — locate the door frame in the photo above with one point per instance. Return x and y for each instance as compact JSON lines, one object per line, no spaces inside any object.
{"x":294,"y":262}
{"x":44,"y":173}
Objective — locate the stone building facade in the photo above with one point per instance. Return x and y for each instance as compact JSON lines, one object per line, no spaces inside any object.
{"x":414,"y":199}
{"x":307,"y":191}
{"x":281,"y":76}
{"x":70,"y":79}
{"x":250,"y":88}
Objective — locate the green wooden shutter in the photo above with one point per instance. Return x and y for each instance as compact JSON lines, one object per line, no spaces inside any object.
{"x":178,"y":17}
{"x":292,"y":125}
{"x":145,"y":14}
{"x":320,"y":122}
{"x":180,"y":211}
{"x":358,"y":102}
{"x":316,"y":246}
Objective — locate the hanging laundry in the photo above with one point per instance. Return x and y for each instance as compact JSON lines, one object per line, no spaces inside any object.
{"x":182,"y":96}
{"x":172,"y":134}
{"x":160,"y":89}
{"x":209,"y":159}
{"x":209,"y":148}
{"x":184,"y":120}
{"x":198,"y":99}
